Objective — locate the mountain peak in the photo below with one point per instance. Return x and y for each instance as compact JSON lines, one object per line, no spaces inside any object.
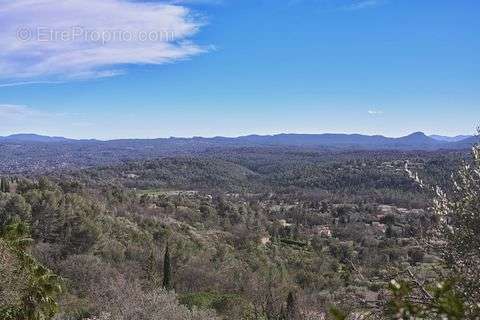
{"x":418,"y":134}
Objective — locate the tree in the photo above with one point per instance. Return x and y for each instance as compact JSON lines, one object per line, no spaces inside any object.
{"x":292,"y":308}
{"x":458,"y":232}
{"x":14,"y":206}
{"x":4,"y":185}
{"x":37,"y":296}
{"x":389,"y":233}
{"x":167,"y":270}
{"x":152,"y":271}
{"x":443,"y":303}
{"x":416,"y":254}
{"x":459,"y":226}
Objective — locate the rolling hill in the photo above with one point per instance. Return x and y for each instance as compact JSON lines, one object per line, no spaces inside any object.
{"x":30,"y":152}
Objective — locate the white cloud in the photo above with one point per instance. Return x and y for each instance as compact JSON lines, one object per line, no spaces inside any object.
{"x":375,"y":112}
{"x":91,"y":38}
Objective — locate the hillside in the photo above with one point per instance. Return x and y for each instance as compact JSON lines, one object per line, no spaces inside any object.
{"x":32,"y":153}
{"x":246,"y":228}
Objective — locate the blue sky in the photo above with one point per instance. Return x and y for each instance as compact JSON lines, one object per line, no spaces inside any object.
{"x":239,"y":67}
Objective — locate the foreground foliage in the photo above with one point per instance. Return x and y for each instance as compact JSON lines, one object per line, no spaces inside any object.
{"x":35,"y":288}
{"x":456,"y":237}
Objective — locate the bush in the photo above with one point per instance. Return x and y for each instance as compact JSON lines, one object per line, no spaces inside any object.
{"x":127,"y":301}
{"x":233,"y":306}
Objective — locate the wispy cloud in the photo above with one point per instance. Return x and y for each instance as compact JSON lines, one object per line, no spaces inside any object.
{"x":206,"y":2}
{"x":91,"y":38}
{"x":13,"y":110}
{"x":27,"y":83}
{"x":363,"y":4}
{"x":17,"y":118}
{"x":375,"y":112}
{"x":21,"y":112}
{"x":340,"y":5}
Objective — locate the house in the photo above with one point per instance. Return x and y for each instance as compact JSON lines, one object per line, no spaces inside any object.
{"x":284,"y":223}
{"x":379,"y":226}
{"x":265,"y":240}
{"x":323,"y":231}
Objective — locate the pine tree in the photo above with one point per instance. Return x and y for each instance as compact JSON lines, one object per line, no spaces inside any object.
{"x":167,"y":270}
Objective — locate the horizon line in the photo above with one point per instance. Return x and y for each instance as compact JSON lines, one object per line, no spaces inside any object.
{"x":229,"y":137}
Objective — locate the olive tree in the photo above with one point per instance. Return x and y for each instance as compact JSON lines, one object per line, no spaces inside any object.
{"x":457,"y":236}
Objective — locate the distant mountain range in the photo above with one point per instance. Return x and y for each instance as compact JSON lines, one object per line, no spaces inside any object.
{"x":414,"y":141}
{"x":450,"y":139}
{"x":36,"y":153}
{"x":30,"y":137}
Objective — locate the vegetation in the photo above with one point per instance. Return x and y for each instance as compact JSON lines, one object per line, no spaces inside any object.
{"x":250,"y":233}
{"x":28,"y":290}
{"x":167,"y":270}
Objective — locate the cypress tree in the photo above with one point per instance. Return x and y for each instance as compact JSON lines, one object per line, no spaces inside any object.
{"x":292,"y":312}
{"x":282,"y":315}
{"x":4,"y":185}
{"x":167,"y":270}
{"x":152,"y":271}
{"x":389,"y":231}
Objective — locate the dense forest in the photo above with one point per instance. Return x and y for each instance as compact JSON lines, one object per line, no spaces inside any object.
{"x":245,"y":233}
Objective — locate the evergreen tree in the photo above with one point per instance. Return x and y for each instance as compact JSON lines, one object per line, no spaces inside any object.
{"x":389,"y":231}
{"x":167,"y":270}
{"x":283,"y":315}
{"x":292,"y":309}
{"x":152,"y":271}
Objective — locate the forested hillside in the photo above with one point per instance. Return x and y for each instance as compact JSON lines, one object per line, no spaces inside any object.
{"x":242,"y":234}
{"x":29,"y":153}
